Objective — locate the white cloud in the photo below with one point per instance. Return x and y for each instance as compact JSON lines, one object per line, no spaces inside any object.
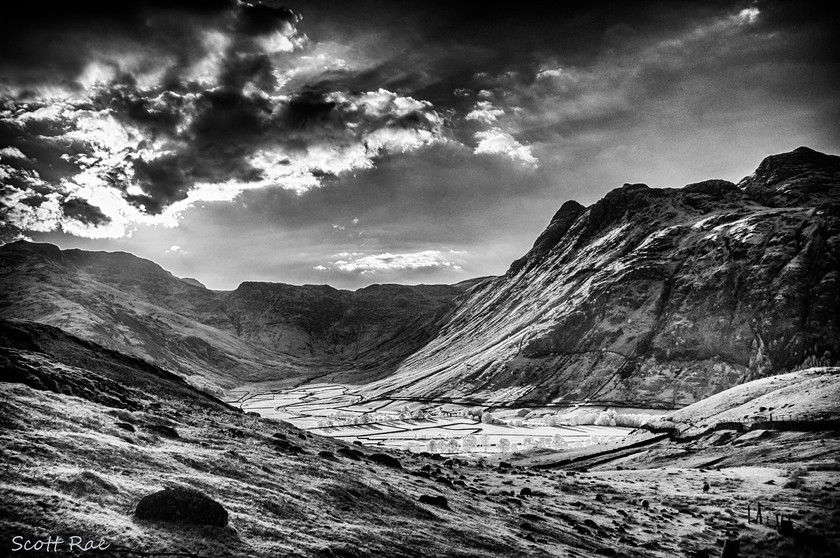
{"x":375,"y":263}
{"x":368,"y":125}
{"x":11,"y":153}
{"x":41,"y":218}
{"x":281,"y":41}
{"x":484,"y":111}
{"x":96,"y":73}
{"x":206,"y":70}
{"x":549,"y":73}
{"x":747,"y":16}
{"x":496,"y":141}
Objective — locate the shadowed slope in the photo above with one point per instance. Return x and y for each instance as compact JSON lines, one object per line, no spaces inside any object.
{"x":260,"y":331}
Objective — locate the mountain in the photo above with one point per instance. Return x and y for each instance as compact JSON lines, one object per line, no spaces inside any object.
{"x":649,"y":297}
{"x":260,"y":331}
{"x":654,"y":297}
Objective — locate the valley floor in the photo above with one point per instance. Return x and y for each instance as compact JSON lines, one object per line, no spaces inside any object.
{"x":336,"y":411}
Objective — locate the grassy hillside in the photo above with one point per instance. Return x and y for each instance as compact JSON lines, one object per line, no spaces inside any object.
{"x":87,"y":433}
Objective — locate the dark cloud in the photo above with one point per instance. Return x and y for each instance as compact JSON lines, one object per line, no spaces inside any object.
{"x":44,"y":46}
{"x":261,"y":19}
{"x":81,"y":210}
{"x":308,"y":109}
{"x":150,"y":112}
{"x":436,"y":125}
{"x":47,"y":44}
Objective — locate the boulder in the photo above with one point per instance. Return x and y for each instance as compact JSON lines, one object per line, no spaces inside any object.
{"x":438,"y":501}
{"x":351,"y":453}
{"x":387,"y":460}
{"x":182,"y":505}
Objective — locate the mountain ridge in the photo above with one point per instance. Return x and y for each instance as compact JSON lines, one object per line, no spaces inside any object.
{"x":652,"y":294}
{"x":215,"y":338}
{"x":649,"y":295}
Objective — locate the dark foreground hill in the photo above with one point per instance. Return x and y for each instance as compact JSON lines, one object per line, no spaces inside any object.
{"x":88,"y":433}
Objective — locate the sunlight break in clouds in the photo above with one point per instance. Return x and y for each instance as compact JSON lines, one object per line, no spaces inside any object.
{"x":134,"y":148}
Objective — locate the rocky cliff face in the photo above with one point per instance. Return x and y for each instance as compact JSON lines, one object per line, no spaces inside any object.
{"x":653,"y":296}
{"x":259,"y":331}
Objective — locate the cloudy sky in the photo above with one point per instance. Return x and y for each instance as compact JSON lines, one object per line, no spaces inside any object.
{"x":353,"y":143}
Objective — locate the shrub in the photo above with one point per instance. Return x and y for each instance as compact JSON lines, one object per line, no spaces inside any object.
{"x":795,"y":477}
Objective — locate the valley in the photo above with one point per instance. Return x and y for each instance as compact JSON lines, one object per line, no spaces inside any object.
{"x":88,"y":432}
{"x":651,"y":297}
{"x":446,"y":428}
{"x":657,"y":366}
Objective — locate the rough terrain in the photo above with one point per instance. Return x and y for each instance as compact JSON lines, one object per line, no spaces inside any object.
{"x":87,"y":433}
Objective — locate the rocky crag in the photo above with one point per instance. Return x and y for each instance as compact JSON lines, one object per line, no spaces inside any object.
{"x":653,"y":297}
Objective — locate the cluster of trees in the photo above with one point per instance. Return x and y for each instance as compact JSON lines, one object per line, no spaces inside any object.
{"x":813,"y":361}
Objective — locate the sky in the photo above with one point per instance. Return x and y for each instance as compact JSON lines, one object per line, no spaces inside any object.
{"x":353,"y":143}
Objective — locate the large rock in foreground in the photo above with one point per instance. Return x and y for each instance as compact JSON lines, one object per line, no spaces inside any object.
{"x":182,"y":505}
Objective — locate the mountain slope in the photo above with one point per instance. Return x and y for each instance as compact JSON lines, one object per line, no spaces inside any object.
{"x":652,"y":296}
{"x":649,"y":297}
{"x":260,"y":331}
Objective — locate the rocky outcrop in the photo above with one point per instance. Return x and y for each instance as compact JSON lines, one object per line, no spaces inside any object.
{"x":652,"y":296}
